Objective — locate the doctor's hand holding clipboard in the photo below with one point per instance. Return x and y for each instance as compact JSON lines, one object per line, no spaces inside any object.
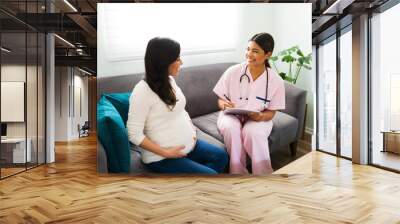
{"x":241,"y":113}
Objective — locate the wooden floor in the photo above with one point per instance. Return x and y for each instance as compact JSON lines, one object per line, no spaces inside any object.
{"x":386,"y":159}
{"x":70,"y":191}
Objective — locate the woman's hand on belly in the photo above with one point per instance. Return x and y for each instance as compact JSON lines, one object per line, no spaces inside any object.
{"x":174,"y":152}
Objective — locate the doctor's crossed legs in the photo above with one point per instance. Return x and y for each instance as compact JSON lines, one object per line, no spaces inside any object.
{"x":250,"y":138}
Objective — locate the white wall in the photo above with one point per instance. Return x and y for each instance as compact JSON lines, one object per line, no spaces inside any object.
{"x":292,"y":26}
{"x":289,"y":24}
{"x":80,"y":83}
{"x":33,"y":126}
{"x":120,"y":27}
{"x":15,"y":72}
{"x":67,"y":80}
{"x":250,"y":19}
{"x":61,"y":103}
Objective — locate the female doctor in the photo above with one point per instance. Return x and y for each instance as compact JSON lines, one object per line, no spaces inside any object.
{"x":251,"y":85}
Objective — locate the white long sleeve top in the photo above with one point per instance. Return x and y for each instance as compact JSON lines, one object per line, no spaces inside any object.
{"x":149,"y":116}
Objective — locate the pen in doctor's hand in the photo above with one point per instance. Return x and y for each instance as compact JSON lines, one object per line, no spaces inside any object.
{"x":227,"y":97}
{"x":223,"y":104}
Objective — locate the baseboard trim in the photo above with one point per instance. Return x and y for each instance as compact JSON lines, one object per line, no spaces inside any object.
{"x":309,"y":130}
{"x":304,"y":145}
{"x":305,"y":142}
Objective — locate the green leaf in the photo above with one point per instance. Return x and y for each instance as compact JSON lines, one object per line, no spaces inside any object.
{"x":308,"y":59}
{"x":300,"y":53}
{"x":274,"y":58}
{"x":295,"y":59}
{"x":289,"y":79}
{"x":288,"y":58}
{"x":283,"y":52}
{"x":293,"y":49}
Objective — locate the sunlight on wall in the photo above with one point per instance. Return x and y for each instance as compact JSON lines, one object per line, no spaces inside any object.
{"x":129,"y":27}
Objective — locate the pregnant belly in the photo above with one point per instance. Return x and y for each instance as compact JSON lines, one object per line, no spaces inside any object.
{"x":189,"y":147}
{"x":185,"y":139}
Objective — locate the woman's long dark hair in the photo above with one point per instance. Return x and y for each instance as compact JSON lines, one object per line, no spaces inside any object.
{"x":160,"y":53}
{"x":266,"y":42}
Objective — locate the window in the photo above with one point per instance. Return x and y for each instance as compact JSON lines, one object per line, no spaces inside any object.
{"x":346,"y":93}
{"x":327,"y":96}
{"x":385,"y":86}
{"x":125,"y":35}
{"x":394,"y":118}
{"x":22,"y":78}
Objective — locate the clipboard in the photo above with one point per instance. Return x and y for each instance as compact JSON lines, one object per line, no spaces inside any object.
{"x":239,"y":111}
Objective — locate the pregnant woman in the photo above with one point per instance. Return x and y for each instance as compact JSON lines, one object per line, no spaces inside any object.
{"x":159,"y":123}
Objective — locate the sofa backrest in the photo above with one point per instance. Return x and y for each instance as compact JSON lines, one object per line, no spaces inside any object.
{"x":295,"y":99}
{"x":117,"y":84}
{"x":197,"y":84}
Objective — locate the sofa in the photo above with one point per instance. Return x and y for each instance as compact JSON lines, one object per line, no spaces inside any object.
{"x":197,"y":84}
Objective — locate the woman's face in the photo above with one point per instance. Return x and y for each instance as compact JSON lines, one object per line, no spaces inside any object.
{"x":174,"y":67}
{"x":255,"y":55}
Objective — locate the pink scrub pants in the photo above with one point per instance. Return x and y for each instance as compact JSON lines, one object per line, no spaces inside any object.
{"x":251,"y":139}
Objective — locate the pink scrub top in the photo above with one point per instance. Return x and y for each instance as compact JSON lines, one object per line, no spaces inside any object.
{"x":229,"y":85}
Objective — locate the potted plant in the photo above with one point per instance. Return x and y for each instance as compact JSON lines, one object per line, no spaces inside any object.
{"x":296,"y":60}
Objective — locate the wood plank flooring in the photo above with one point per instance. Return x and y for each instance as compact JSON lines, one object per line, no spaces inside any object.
{"x":70,"y":191}
{"x":386,"y":159}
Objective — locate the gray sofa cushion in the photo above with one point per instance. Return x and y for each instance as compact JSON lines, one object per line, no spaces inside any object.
{"x":208,"y":124}
{"x":208,"y":138}
{"x":137,"y":166}
{"x":283,"y":132}
{"x":101,"y":159}
{"x":295,"y":105}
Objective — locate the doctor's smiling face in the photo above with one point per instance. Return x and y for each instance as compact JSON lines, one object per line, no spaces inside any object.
{"x":255,"y":55}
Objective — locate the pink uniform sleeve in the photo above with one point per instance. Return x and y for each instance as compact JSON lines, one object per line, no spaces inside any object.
{"x":278,"y":98}
{"x":222,"y":86}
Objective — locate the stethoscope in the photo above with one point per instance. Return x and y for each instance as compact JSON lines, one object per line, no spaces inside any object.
{"x":245,"y":76}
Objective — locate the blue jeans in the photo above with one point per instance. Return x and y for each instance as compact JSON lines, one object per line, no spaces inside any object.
{"x":203,"y":159}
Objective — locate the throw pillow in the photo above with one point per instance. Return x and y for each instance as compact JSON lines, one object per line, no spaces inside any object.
{"x":120,"y":102}
{"x":113,"y":135}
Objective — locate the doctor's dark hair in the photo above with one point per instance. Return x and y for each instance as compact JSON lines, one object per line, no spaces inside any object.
{"x":266,"y":42}
{"x":160,"y":53}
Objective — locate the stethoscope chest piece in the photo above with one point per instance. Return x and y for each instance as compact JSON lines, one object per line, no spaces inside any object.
{"x":244,"y":83}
